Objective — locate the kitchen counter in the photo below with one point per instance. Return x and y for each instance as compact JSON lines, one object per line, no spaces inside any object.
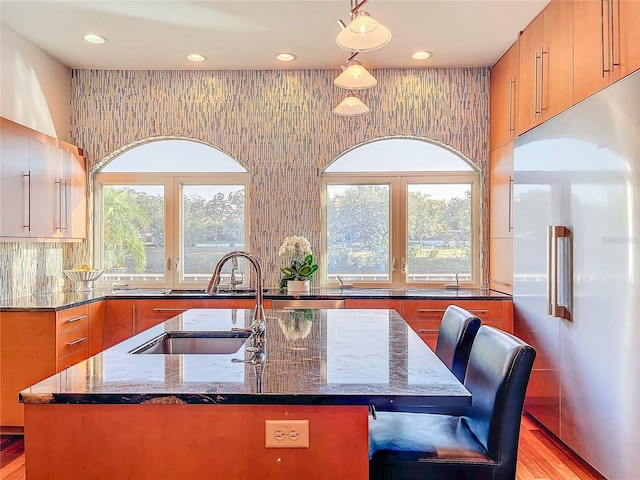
{"x":61,"y":300}
{"x":312,"y":357}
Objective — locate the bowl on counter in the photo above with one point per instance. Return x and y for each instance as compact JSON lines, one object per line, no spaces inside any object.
{"x":83,"y":278}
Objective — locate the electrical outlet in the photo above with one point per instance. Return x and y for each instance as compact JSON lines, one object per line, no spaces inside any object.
{"x":286,"y":433}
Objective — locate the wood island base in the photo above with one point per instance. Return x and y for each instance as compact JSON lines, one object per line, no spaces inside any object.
{"x":194,"y":441}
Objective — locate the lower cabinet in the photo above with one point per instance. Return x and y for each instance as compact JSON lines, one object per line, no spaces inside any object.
{"x":153,"y":312}
{"x":123,"y":320}
{"x":36,"y":345}
{"x":72,"y":336}
{"x":126,"y":317}
{"x":424,"y":316}
{"x":246,"y":303}
{"x":390,"y":304}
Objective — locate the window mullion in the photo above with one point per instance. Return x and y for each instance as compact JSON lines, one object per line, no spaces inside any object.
{"x":171,"y":235}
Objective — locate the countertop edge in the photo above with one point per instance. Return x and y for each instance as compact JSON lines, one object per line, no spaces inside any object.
{"x":45,"y":302}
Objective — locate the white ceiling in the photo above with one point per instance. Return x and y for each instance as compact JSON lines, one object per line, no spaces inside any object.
{"x":247,"y":34}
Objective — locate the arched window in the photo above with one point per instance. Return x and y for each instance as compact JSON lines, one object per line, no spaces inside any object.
{"x":166,"y":211}
{"x":401,"y":212}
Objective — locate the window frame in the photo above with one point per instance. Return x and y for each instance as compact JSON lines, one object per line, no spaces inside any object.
{"x":173,"y":208}
{"x":398,"y":209}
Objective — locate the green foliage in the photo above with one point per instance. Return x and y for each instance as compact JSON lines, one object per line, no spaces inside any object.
{"x":298,"y":270}
{"x":124,"y":219}
{"x":358,"y":233}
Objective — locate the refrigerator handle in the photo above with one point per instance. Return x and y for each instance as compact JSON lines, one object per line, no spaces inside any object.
{"x":559,"y":283}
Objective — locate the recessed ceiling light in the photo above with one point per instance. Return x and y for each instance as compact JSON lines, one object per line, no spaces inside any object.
{"x":286,"y":57}
{"x":422,"y":55}
{"x":95,"y":39}
{"x":196,"y":57}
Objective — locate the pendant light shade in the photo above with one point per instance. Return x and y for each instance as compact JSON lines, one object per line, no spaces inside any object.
{"x":355,"y":77}
{"x":351,"y":106}
{"x":363,"y":34}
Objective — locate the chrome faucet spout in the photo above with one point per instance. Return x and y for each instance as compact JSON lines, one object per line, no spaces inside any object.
{"x":258,"y":324}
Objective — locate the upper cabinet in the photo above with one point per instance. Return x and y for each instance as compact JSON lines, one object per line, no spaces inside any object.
{"x":606,"y":43}
{"x":504,"y":83}
{"x":43,"y":184}
{"x":546,"y":65}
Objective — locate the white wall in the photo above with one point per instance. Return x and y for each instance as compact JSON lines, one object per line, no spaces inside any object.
{"x":35,"y":86}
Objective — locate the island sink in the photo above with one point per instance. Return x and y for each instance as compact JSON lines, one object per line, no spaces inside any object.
{"x":200,"y":343}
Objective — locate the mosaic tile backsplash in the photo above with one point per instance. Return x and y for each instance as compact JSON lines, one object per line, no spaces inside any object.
{"x":278,"y":124}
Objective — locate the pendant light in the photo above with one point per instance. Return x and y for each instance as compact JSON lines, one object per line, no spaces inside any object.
{"x":355,"y":77}
{"x":351,"y":106}
{"x":363,"y":34}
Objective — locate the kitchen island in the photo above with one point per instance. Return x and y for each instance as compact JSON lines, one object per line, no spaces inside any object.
{"x":128,"y":415}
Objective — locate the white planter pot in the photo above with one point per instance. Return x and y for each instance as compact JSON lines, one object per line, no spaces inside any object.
{"x":298,"y":286}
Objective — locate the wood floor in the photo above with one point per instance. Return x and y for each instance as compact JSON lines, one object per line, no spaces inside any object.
{"x":541,"y":457}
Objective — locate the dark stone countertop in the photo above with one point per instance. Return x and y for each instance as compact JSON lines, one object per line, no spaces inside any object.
{"x":312,"y":357}
{"x":61,"y":300}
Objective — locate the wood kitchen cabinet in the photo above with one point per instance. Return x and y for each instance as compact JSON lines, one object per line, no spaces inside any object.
{"x":501,"y":219}
{"x":237,"y":303}
{"x":127,"y":317}
{"x":37,"y":344}
{"x":501,"y":265}
{"x":97,"y":327}
{"x":154,"y":312}
{"x":546,"y":66}
{"x":504,"y":97}
{"x":606,"y":43}
{"x":42,"y":187}
{"x":386,"y":304}
{"x":424,"y":316}
{"x":501,"y":192}
{"x":73,"y":336}
{"x":123,"y":320}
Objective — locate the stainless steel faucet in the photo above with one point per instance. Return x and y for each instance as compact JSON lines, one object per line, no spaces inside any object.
{"x":233,"y":279}
{"x":258,"y":323}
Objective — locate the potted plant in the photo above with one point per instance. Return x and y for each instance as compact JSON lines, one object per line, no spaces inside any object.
{"x":297,"y":276}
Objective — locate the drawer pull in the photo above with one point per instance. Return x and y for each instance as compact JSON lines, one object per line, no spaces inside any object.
{"x":422,"y":330}
{"x":170,"y":309}
{"x":81,"y":339}
{"x":75,"y":319}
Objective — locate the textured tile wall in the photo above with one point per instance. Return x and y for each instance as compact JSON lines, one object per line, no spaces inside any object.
{"x":278,"y":125}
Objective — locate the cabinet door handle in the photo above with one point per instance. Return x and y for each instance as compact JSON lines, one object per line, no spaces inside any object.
{"x":535,"y":83}
{"x":64,"y":210}
{"x":75,"y":319}
{"x":58,"y":205}
{"x":542,"y":54}
{"x":612,"y":44}
{"x":512,"y":127}
{"x":26,"y":204}
{"x":157,"y":309}
{"x":81,"y":339}
{"x":133,"y":319}
{"x":510,"y":205}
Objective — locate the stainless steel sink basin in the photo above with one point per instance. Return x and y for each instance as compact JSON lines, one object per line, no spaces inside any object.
{"x":201,"y":343}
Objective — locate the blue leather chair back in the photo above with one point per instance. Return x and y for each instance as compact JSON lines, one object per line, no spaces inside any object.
{"x":497,"y":377}
{"x":455,"y":337}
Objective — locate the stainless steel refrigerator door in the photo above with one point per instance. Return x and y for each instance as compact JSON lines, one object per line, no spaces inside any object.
{"x":589,"y":159}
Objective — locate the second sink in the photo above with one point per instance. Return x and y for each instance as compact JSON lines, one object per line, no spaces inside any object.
{"x":194,"y":343}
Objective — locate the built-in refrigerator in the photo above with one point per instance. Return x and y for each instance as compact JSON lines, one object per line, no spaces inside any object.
{"x":576,"y":257}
